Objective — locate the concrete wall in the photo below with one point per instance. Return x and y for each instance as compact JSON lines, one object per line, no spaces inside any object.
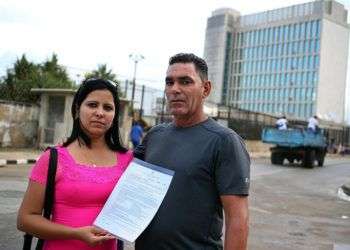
{"x":333,"y":67}
{"x":214,"y":50}
{"x":18,"y":124}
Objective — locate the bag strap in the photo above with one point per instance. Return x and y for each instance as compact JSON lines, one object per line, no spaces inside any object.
{"x":50,"y":183}
{"x":49,"y":190}
{"x":120,"y":244}
{"x":48,"y":198}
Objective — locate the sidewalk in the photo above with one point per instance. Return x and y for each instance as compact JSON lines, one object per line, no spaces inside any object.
{"x":28,"y":156}
{"x":18,"y":156}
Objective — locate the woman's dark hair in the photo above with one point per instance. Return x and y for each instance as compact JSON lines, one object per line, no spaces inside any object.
{"x":112,"y":136}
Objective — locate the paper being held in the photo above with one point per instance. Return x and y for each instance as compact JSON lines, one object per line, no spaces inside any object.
{"x":134,"y":200}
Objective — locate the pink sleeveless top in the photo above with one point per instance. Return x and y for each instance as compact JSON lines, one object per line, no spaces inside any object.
{"x":80,"y":193}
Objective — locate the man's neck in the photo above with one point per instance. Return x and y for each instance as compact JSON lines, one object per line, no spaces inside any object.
{"x":189,"y":122}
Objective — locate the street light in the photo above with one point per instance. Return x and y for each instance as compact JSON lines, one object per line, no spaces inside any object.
{"x":136,"y":58}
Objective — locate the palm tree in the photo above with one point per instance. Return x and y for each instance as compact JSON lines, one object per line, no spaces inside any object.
{"x":102,"y":72}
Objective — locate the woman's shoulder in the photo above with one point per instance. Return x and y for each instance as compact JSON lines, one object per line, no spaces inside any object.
{"x":125,"y":155}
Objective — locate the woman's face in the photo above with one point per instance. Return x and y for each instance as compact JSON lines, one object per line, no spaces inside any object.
{"x":96,"y":113}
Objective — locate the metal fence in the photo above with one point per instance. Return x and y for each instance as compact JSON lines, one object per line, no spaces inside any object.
{"x":249,"y":125}
{"x":146,"y":98}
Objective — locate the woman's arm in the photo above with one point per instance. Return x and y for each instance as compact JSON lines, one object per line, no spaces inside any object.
{"x":30,"y":220}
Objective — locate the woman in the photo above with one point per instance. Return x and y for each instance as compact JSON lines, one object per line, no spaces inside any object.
{"x":90,"y":163}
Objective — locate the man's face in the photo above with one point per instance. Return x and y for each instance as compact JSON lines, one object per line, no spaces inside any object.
{"x":185,"y":91}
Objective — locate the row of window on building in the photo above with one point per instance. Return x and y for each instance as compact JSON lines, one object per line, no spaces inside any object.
{"x":305,"y":47}
{"x":302,"y":79}
{"x":301,"y":63}
{"x":278,"y":34}
{"x":291,"y":95}
{"x":281,"y":14}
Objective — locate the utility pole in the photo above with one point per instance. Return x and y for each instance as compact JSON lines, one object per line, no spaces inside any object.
{"x":142,"y":96}
{"x":136,"y":58}
{"x":126,"y":88}
{"x":163,"y":105}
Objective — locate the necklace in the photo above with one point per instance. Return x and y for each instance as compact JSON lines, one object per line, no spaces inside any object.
{"x":88,"y":159}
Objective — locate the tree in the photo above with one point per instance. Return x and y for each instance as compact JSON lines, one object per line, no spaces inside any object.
{"x":19,"y":80}
{"x":24,"y":75}
{"x":104,"y":73}
{"x":54,"y":75}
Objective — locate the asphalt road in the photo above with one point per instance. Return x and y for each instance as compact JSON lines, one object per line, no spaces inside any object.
{"x":290,"y":207}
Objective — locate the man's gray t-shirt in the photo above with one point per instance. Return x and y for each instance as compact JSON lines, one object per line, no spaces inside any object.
{"x":209,"y":160}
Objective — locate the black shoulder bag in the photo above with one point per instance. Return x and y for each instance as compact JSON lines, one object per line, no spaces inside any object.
{"x":48,"y":202}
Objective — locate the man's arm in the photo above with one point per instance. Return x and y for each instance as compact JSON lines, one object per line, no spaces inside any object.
{"x":236,"y":221}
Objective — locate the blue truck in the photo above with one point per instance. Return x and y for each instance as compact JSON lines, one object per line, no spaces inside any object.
{"x":297,"y":144}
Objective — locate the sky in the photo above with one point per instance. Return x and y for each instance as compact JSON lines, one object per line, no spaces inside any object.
{"x":86,"y":33}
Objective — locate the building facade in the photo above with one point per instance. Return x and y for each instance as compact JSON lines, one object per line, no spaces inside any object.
{"x":290,"y":61}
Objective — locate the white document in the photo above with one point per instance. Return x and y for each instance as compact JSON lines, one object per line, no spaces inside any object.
{"x":134,"y":200}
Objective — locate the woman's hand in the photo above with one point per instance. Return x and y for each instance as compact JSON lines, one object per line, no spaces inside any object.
{"x":92,"y":235}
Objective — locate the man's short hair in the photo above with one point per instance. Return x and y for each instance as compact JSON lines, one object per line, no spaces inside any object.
{"x":199,"y":63}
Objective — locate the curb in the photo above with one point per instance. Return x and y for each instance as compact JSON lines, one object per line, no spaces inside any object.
{"x":346,"y":189}
{"x":4,"y":162}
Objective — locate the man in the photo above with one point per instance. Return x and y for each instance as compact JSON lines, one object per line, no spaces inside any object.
{"x":281,"y":123}
{"x":312,"y":125}
{"x":211,"y":167}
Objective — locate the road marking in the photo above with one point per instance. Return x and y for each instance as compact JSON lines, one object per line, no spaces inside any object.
{"x":341,"y":247}
{"x":259,"y":210}
{"x":22,"y":161}
{"x":343,"y":195}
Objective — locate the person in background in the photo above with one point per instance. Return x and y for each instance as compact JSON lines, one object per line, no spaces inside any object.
{"x":313,"y":124}
{"x":90,"y":163}
{"x":281,"y":123}
{"x":211,"y":164}
{"x":136,"y":133}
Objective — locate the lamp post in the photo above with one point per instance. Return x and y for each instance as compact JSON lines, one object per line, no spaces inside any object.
{"x":136,"y":58}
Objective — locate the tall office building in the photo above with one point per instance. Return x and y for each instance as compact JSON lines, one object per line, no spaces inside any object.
{"x":289,"y":61}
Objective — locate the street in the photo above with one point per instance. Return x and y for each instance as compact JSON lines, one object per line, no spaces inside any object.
{"x":290,"y":207}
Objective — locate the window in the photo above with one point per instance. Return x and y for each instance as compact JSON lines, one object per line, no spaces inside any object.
{"x":289,"y":48}
{"x":286,"y":32}
{"x":303,"y":95}
{"x":317,"y":46}
{"x":302,"y":30}
{"x":316,"y":62}
{"x":308,"y":30}
{"x":295,"y":48}
{"x":311,"y":63}
{"x":305,"y":47}
{"x":279,"y":49}
{"x":289,"y":63}
{"x":274,"y":34}
{"x":313,"y":28}
{"x":280,"y":28}
{"x":297,"y":31}
{"x":318,"y":28}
